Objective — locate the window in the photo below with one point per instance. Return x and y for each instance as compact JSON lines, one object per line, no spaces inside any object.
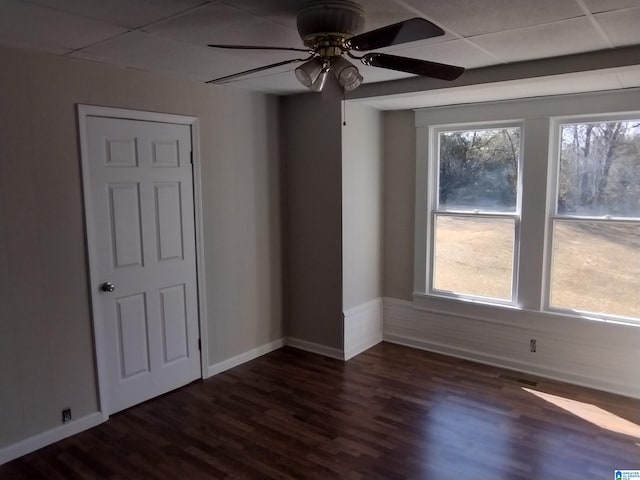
{"x":475,"y":211}
{"x":539,"y":215}
{"x":595,"y":226}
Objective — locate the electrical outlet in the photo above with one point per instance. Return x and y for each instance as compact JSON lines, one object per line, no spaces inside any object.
{"x":66,"y":415}
{"x":532,"y":345}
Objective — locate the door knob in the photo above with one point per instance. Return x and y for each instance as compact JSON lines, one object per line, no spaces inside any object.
{"x":107,"y":287}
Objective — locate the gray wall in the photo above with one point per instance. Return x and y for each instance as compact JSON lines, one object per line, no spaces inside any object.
{"x":399,"y":193}
{"x":362,"y":150}
{"x":312,"y":153}
{"x":46,"y":346}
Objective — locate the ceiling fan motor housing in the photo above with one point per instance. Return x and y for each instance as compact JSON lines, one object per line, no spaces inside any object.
{"x":329,"y":24}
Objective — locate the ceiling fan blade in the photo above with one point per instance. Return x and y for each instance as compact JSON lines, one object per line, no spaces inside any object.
{"x":229,"y":78}
{"x":257,"y":47}
{"x":402,"y":32}
{"x":423,"y":68}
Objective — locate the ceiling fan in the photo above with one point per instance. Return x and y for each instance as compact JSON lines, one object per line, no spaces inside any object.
{"x":330,"y":30}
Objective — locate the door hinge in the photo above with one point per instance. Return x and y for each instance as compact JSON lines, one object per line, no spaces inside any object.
{"x":199,"y":345}
{"x":191,"y":156}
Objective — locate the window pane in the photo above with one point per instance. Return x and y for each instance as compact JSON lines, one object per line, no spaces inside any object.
{"x":474,"y":256}
{"x":478,"y":169}
{"x":596,"y":267}
{"x":600,"y":169}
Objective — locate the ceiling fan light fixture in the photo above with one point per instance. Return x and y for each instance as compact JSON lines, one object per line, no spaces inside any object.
{"x":319,"y":82}
{"x":347,"y":74}
{"x":354,"y":81}
{"x":309,"y":72}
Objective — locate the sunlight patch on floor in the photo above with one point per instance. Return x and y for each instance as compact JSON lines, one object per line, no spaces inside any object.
{"x":591,"y":413}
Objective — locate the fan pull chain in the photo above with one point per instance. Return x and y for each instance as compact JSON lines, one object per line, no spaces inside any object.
{"x":344,"y":109}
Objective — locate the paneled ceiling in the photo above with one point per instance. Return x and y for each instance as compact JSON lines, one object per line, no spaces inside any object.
{"x":170,"y":36}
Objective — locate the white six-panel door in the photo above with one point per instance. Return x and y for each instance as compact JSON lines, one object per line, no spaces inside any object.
{"x":140,"y":203}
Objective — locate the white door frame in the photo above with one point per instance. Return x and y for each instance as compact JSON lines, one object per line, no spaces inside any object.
{"x":84,"y":112}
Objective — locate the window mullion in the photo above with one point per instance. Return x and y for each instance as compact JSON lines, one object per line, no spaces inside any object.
{"x":531,"y":272}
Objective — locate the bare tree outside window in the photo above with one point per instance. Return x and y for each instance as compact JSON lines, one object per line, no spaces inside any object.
{"x":596,"y":230}
{"x":600,"y":169}
{"x":479,"y":169}
{"x":475,"y":219}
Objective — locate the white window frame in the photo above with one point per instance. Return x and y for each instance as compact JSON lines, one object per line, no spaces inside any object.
{"x":553,"y":216}
{"x":433,"y":190}
{"x":536,"y":200}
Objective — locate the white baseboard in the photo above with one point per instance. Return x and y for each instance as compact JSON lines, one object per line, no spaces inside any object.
{"x":479,"y":357}
{"x":76,"y":426}
{"x":48,"y":437}
{"x":582,"y":358}
{"x":315,"y":348}
{"x":244,"y":357}
{"x":362,"y":327}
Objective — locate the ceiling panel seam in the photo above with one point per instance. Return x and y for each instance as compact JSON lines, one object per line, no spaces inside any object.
{"x":140,"y":28}
{"x":595,"y":23}
{"x":415,"y":11}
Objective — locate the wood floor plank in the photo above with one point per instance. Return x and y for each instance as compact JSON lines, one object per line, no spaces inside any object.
{"x":389,"y":413}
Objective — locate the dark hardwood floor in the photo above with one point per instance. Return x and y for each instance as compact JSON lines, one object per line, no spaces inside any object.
{"x":390,"y":413}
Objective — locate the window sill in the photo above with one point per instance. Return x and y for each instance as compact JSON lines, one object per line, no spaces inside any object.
{"x":509,"y":314}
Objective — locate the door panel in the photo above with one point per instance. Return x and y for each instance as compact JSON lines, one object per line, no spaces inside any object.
{"x":174,"y":323}
{"x":166,"y":154}
{"x":121,"y":152}
{"x":124,"y":219}
{"x":132,"y":335}
{"x":168,"y":220}
{"x":143,"y":220}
